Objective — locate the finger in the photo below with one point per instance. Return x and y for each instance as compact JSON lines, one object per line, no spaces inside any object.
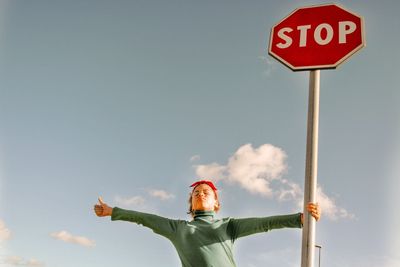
{"x":317,"y":215}
{"x":314,"y":209}
{"x":101,"y":201}
{"x":99,"y":211}
{"x":311,"y":204}
{"x":313,"y":215}
{"x":311,"y":207}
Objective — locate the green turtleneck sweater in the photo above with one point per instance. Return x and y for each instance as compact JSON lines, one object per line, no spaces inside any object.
{"x":205,"y":241}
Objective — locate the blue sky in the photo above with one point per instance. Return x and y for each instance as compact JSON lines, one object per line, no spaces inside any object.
{"x":135,"y":100}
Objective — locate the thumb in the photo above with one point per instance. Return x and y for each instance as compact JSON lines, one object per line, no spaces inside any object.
{"x":101,"y":201}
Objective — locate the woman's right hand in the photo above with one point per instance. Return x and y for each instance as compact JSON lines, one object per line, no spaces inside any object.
{"x":102,"y":209}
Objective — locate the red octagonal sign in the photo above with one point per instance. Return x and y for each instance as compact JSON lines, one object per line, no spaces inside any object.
{"x":317,"y":37}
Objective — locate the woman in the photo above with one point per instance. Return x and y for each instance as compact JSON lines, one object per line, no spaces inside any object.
{"x":205,"y":241}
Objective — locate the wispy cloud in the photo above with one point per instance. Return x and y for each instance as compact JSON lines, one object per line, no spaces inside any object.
{"x":194,"y":158}
{"x":130,"y":202}
{"x":260,"y":171}
{"x":161,"y":194}
{"x":69,"y":238}
{"x":19,"y":261}
{"x":269,"y":63}
{"x":289,"y":190}
{"x":330,"y":208}
{"x":5,"y":233}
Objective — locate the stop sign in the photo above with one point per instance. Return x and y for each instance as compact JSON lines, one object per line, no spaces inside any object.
{"x":316,"y":37}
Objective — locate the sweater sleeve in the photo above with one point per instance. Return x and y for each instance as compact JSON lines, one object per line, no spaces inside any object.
{"x":160,"y":225}
{"x":248,"y":226}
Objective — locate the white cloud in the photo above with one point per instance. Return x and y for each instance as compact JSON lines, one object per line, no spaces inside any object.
{"x":161,"y":194}
{"x":18,"y":261}
{"x":260,"y":171}
{"x":130,"y":202}
{"x":213,"y":171}
{"x":5,"y":233}
{"x":252,"y":168}
{"x":69,"y":238}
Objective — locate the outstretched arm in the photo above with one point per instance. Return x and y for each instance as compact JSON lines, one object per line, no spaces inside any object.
{"x":102,"y":209}
{"x":248,"y":226}
{"x":160,"y":225}
{"x":238,"y":228}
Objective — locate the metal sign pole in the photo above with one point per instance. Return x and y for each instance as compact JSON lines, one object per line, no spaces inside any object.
{"x":310,"y":186}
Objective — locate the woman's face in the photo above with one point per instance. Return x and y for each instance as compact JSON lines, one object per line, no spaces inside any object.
{"x":203,"y":198}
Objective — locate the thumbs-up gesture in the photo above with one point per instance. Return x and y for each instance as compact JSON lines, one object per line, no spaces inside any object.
{"x":102,"y":209}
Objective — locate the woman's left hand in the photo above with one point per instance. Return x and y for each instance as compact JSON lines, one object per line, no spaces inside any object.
{"x":315,"y":211}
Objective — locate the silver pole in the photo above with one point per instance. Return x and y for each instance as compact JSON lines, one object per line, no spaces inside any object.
{"x":310,"y":185}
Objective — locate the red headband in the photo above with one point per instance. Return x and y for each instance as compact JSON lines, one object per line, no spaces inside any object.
{"x":209,"y":183}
